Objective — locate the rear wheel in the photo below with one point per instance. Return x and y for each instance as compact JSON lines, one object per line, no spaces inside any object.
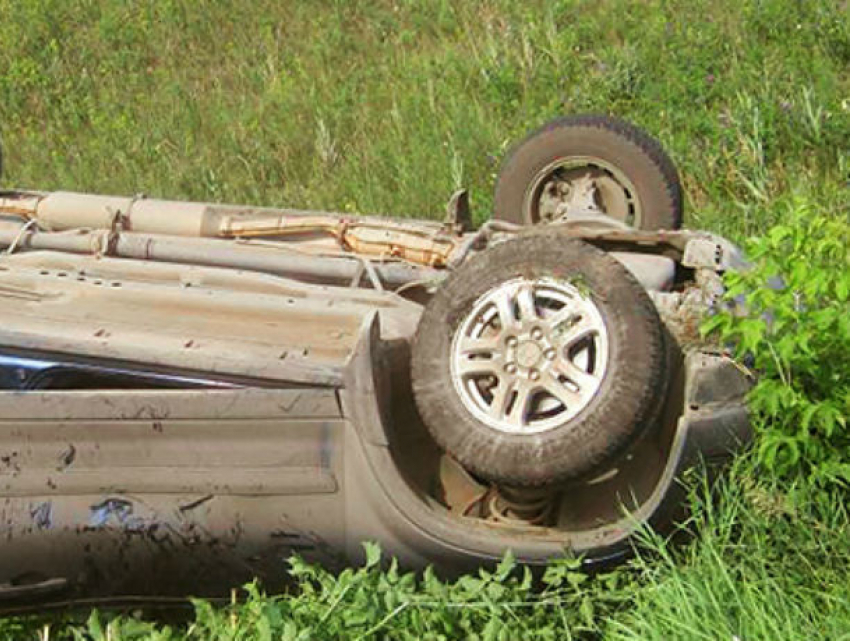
{"x":538,"y":360}
{"x":598,"y":163}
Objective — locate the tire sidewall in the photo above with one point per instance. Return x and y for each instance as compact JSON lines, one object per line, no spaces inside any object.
{"x":619,"y":406}
{"x":618,"y":144}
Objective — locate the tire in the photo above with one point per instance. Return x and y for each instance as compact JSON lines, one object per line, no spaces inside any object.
{"x":620,"y":388}
{"x":637,"y":183}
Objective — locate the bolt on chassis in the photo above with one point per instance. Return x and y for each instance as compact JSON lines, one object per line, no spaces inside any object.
{"x":192,"y":392}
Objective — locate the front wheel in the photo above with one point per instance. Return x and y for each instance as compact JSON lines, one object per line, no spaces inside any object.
{"x":538,"y":360}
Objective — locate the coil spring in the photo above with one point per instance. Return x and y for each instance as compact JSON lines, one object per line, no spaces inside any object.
{"x":520,"y":506}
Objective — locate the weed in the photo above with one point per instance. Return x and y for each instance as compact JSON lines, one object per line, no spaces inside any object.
{"x":789,"y":315}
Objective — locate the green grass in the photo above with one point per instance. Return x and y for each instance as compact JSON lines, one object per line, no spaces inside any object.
{"x":388,"y":107}
{"x":765,"y":563}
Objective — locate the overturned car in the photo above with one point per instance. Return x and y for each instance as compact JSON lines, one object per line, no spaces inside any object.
{"x":192,"y":392}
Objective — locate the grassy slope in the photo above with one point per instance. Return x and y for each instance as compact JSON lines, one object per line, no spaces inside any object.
{"x":387,"y":107}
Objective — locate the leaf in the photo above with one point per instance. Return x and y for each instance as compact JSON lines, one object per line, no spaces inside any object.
{"x":506,"y":565}
{"x":808,"y":415}
{"x":586,"y":610}
{"x":842,"y":290}
{"x":94,"y":626}
{"x":575,"y":579}
{"x":373,"y":553}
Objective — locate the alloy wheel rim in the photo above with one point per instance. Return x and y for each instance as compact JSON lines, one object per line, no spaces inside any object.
{"x":530,"y":355}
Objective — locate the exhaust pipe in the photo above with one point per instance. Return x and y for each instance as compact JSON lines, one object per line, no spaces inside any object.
{"x":209,"y":252}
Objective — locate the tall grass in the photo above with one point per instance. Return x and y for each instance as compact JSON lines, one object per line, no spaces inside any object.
{"x":388,"y":106}
{"x":766,"y":562}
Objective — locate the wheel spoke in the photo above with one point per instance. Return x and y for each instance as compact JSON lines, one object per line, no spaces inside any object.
{"x":525,"y":299}
{"x":585,"y":382}
{"x":561,"y":316}
{"x":501,"y":394}
{"x":505,"y":308}
{"x":480,"y":345}
{"x":477,"y":367}
{"x":518,"y":414}
{"x":577,"y":332}
{"x":553,"y":386}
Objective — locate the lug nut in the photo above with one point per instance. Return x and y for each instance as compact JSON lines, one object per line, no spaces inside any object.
{"x":512,"y":341}
{"x":510,"y":368}
{"x":550,"y":353}
{"x":536,"y":333}
{"x":534,"y":375}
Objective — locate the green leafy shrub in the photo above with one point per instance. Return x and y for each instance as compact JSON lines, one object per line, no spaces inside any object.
{"x":796,"y":329}
{"x":378,"y":601}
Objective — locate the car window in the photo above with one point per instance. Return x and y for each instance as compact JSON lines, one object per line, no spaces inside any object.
{"x":94,"y":380}
{"x":32,"y":372}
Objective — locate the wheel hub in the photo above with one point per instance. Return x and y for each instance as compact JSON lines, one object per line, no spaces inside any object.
{"x":530,"y":355}
{"x":581,"y":185}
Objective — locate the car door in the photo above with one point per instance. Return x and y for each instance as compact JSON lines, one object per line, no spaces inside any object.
{"x":165,"y":491}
